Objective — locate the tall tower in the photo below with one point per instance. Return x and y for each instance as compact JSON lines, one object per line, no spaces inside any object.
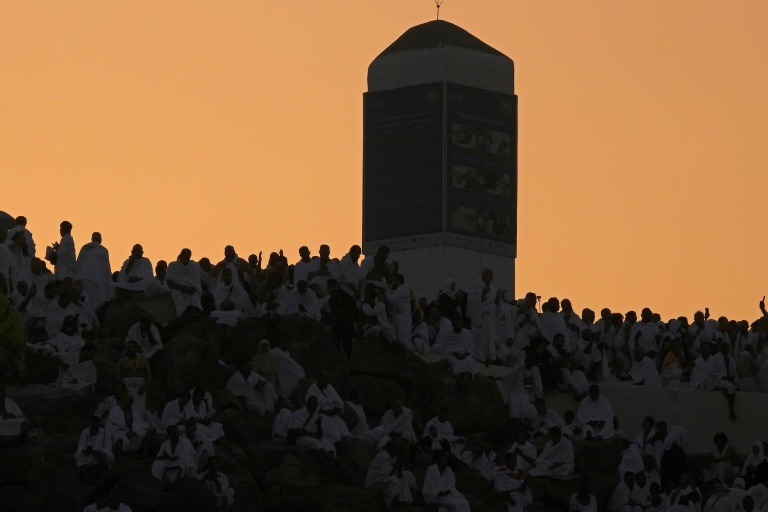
{"x":440,"y":158}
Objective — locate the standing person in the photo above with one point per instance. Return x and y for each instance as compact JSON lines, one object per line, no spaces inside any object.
{"x":65,"y":252}
{"x":481,"y":309}
{"x":399,"y":301}
{"x":349,"y":270}
{"x":95,"y":272}
{"x":21,"y":243}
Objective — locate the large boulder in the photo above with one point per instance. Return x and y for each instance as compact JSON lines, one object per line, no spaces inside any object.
{"x":313,"y":346}
{"x":474,"y":405}
{"x":375,"y":393}
{"x":186,"y":361}
{"x":123,"y":312}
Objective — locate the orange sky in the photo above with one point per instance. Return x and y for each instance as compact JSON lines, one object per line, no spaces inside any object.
{"x":201,"y":124}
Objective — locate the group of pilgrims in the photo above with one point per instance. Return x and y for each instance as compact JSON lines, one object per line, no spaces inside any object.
{"x":542,"y":348}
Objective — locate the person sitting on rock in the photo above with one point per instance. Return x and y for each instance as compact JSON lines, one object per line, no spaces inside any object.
{"x":94,"y":451}
{"x":76,"y":369}
{"x":387,"y":475}
{"x":173,"y":412}
{"x":129,"y":427}
{"x":147,"y":337}
{"x":376,"y":325}
{"x":13,"y":424}
{"x":133,"y":371}
{"x":510,"y":482}
{"x":556,"y":459}
{"x":253,"y":390}
{"x":397,"y":422}
{"x":176,"y":459}
{"x":218,"y":483}
{"x":595,"y":415}
{"x":445,"y":436}
{"x":202,"y":445}
{"x":440,"y":487}
{"x":106,"y":405}
{"x":305,"y":428}
{"x":331,"y":406}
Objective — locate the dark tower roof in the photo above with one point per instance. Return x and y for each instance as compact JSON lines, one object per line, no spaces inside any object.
{"x":438,"y":34}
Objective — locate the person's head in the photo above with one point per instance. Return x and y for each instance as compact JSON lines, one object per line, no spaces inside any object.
{"x":190,"y":428}
{"x":324,"y":251}
{"x":530,"y":299}
{"x":661,"y":428}
{"x":698,"y":318}
{"x":541,"y":406}
{"x":21,"y":221}
{"x":205,"y":264}
{"x":646,"y":315}
{"x":588,"y":316}
{"x":521,"y":437}
{"x":226,"y":276}
{"x":486,"y":276}
{"x":685,"y":479}
{"x":302,"y":286}
{"x":229,"y":253}
{"x":137,"y":251}
{"x":722,"y":324}
{"x":566,"y":306}
{"x":36,"y":266}
{"x":382,"y":253}
{"x":641,"y":479}
{"x":594,"y":392}
{"x":198,"y":394}
{"x":629,"y":479}
{"x":720,"y":440}
{"x":605,"y":314}
{"x":555,"y":434}
{"x":705,"y":349}
{"x":553,"y":305}
{"x":184,"y":256}
{"x":647,"y":424}
{"x":96,"y":237}
{"x":631,"y":317}
{"x":748,"y":503}
{"x":354,"y":252}
{"x":311,"y":404}
{"x":442,"y":460}
{"x":94,"y":424}
{"x":457,"y":324}
{"x":173,"y":432}
{"x":304,"y":253}
{"x":131,"y":348}
{"x":65,"y":228}
{"x":161,"y":268}
{"x":725,"y":347}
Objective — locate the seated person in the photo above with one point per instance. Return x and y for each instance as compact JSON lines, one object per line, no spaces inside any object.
{"x":176,"y":459}
{"x":556,"y":459}
{"x":440,"y":487}
{"x":147,"y":337}
{"x":445,"y":436}
{"x":76,"y":370}
{"x":330,"y":406}
{"x":218,"y":483}
{"x":387,"y":475}
{"x":202,"y":445}
{"x":231,"y":299}
{"x":129,"y":427}
{"x":305,"y":428}
{"x":595,"y":415}
{"x":257,"y":394}
{"x":397,"y":422}
{"x":201,"y":410}
{"x":300,"y":301}
{"x":94,"y":450}
{"x":136,"y":273}
{"x":184,"y":280}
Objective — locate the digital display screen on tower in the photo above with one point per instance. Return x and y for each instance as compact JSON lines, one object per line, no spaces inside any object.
{"x":403,"y":167}
{"x":481,"y":169}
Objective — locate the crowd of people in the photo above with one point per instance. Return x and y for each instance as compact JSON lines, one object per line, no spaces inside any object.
{"x":542,"y":347}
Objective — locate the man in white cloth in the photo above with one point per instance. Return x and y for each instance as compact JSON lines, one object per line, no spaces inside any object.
{"x":218,"y":483}
{"x":482,"y":302}
{"x":252,"y":389}
{"x":302,"y":267}
{"x":128,"y":427}
{"x":21,"y":243}
{"x":65,"y":252}
{"x":94,"y":448}
{"x":376,"y":325}
{"x":239,"y":267}
{"x":556,"y":459}
{"x":553,"y":323}
{"x":330,"y":407}
{"x":540,"y":418}
{"x":95,"y":272}
{"x":349,"y":271}
{"x":456,"y":346}
{"x":621,"y":499}
{"x":397,"y":422}
{"x":133,"y":370}
{"x":440,"y":487}
{"x":231,"y":300}
{"x":300,"y":301}
{"x":136,"y":273}
{"x":183,"y":279}
{"x":644,"y":372}
{"x":201,"y":411}
{"x":445,"y":435}
{"x":305,"y":428}
{"x":712,"y":372}
{"x":147,"y":336}
{"x":510,"y":482}
{"x":76,"y":370}
{"x":595,"y":415}
{"x":12,"y":421}
{"x":399,"y":301}
{"x":386,"y":475}
{"x":176,"y":459}
{"x":34,"y":274}
{"x":322,"y":269}
{"x":645,"y":334}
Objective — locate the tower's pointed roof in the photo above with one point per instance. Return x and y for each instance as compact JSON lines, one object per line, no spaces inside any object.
{"x":438,"y":34}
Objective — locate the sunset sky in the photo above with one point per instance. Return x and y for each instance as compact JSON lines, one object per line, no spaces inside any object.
{"x":642,"y":127}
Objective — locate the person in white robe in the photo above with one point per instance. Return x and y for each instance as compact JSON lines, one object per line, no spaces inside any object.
{"x":330,"y":407}
{"x":397,"y":421}
{"x":21,"y":242}
{"x":239,"y":268}
{"x":147,"y":336}
{"x":456,"y":346}
{"x":176,"y":459}
{"x":645,"y":334}
{"x":540,"y":418}
{"x":582,"y":501}
{"x":595,"y":415}
{"x":376,"y":324}
{"x":644,"y":370}
{"x":361,"y":429}
{"x":386,"y":475}
{"x":253,"y":390}
{"x":519,"y":399}
{"x":217,"y":482}
{"x":302,"y":267}
{"x":716,"y":371}
{"x":482,"y":302}
{"x":289,"y":372}
{"x":440,"y":487}
{"x":300,"y":301}
{"x":13,"y":423}
{"x":134,"y":371}
{"x":510,"y":482}
{"x":231,"y":300}
{"x":306,"y":428}
{"x":622,"y":499}
{"x":136,"y":273}
{"x":322,"y":269}
{"x":94,"y":447}
{"x":686,"y":497}
{"x":399,"y":302}
{"x":553,"y":323}
{"x":34,"y":273}
{"x":349,"y":272}
{"x":527,"y":322}
{"x":128,"y":426}
{"x":200,"y":409}
{"x":556,"y":459}
{"x":65,"y":252}
{"x":76,"y":370}
{"x":95,"y":272}
{"x":173,"y":412}
{"x":524,"y":451}
{"x":445,"y":435}
{"x":721,"y":465}
{"x":482,"y":459}
{"x":183,"y":279}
